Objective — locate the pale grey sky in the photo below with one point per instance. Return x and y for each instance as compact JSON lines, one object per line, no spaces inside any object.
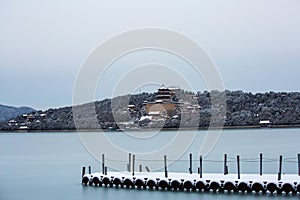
{"x":255,"y":44}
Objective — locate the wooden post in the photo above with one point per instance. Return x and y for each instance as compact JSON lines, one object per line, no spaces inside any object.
{"x":200,"y":168}
{"x":166,"y":170}
{"x":141,"y":168}
{"x":147,"y":169}
{"x":260,"y":163}
{"x":90,"y":169}
{"x":191,"y":164}
{"x":298,"y":164}
{"x":129,"y":162}
{"x":280,"y":168}
{"x":103,"y":170}
{"x":225,"y":164}
{"x":133,"y":160}
{"x":238,"y":166}
{"x":83,"y":172}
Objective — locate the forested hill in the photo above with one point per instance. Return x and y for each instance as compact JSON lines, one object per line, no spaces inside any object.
{"x":242,"y":109}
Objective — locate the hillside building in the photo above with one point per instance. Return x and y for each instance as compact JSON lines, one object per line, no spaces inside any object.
{"x":163,"y":106}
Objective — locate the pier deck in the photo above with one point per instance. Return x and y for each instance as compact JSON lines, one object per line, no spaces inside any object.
{"x":250,"y":183}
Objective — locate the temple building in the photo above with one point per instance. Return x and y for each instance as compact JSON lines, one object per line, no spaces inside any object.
{"x":164,"y":94}
{"x":164,"y":105}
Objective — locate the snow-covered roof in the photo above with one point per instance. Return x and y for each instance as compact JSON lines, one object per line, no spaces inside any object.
{"x":145,"y":117}
{"x":154,"y":112}
{"x":174,"y":87}
{"x":23,"y":127}
{"x":264,"y":122}
{"x":163,"y":87}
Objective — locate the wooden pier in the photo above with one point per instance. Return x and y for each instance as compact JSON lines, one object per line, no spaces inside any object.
{"x":248,"y":183}
{"x":287,"y":184}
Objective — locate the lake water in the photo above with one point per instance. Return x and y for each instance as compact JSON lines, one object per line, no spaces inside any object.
{"x":48,"y":165}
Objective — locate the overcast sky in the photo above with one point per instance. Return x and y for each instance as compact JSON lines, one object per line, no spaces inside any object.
{"x":255,"y":44}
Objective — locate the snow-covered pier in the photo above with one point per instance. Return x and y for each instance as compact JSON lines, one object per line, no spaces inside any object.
{"x":248,"y":183}
{"x":288,"y":184}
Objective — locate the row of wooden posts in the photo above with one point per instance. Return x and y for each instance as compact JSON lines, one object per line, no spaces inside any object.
{"x":131,"y":165}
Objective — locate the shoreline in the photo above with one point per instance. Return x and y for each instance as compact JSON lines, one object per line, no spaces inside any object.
{"x":155,"y":129}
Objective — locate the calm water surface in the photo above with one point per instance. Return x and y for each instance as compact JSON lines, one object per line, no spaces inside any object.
{"x":48,"y":165}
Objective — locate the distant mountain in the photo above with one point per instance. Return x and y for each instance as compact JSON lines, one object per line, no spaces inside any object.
{"x":9,"y":112}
